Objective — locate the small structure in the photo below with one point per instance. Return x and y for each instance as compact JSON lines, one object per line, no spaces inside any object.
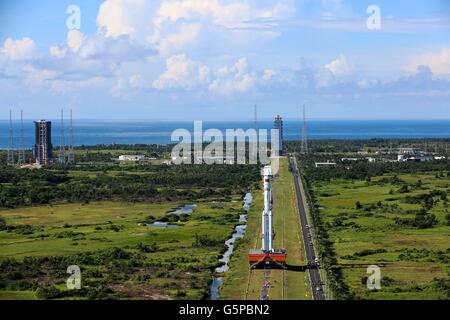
{"x":132,"y":158}
{"x":325,"y":164}
{"x":415,"y":158}
{"x":216,"y":160}
{"x":409,"y":151}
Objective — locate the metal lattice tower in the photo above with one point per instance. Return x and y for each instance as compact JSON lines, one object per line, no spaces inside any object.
{"x":255,"y":118}
{"x":71,"y":156}
{"x":10,"y":159}
{"x":62,"y":149}
{"x":304,"y":148}
{"x":22,"y":141}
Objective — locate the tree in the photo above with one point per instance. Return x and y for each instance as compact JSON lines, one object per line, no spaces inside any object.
{"x":447,"y":217}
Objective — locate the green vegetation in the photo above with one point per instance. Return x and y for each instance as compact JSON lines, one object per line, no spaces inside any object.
{"x":391,"y":215}
{"x":118,"y":255}
{"x":23,"y":187}
{"x":98,"y":216}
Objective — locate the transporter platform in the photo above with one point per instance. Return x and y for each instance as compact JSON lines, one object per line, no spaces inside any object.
{"x":259,"y":259}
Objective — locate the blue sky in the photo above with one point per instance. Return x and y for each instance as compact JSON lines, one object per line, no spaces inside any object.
{"x":215,"y":59}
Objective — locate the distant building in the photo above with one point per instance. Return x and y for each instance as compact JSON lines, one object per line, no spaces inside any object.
{"x":416,"y":158}
{"x":133,"y":158}
{"x":279,"y":126}
{"x":43,"y":148}
{"x":410,"y":151}
{"x":325,"y":164}
{"x":217,"y":160}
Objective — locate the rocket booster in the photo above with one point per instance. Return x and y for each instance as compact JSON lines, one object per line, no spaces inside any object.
{"x":267,"y":216}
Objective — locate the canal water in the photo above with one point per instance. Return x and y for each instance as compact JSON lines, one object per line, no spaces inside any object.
{"x":239,"y":233}
{"x":187,"y":209}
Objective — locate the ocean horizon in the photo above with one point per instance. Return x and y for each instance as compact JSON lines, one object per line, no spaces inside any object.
{"x":96,"y":132}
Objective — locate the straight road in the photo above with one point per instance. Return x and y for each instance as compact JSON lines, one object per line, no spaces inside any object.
{"x":316,"y":281}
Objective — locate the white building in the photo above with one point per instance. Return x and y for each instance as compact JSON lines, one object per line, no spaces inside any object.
{"x":325,"y":164}
{"x":133,"y":158}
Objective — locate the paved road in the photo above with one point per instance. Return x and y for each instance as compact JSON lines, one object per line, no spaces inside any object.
{"x":316,"y":281}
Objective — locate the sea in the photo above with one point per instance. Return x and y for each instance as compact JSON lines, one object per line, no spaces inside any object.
{"x":97,"y":132}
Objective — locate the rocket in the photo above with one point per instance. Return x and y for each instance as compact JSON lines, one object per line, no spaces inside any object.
{"x":267,"y":215}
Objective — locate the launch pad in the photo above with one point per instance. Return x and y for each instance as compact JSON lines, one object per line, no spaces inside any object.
{"x":267,"y":257}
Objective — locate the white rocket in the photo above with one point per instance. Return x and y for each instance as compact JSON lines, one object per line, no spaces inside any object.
{"x":267,"y":216}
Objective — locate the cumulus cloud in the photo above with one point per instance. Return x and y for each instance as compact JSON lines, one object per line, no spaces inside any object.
{"x":438,"y":63}
{"x":187,"y":34}
{"x":176,"y":22}
{"x":181,"y":73}
{"x":75,"y":40}
{"x":339,"y":66}
{"x":227,"y":15}
{"x":125,"y":17}
{"x":93,"y":56}
{"x":235,"y":79}
{"x":15,"y":50}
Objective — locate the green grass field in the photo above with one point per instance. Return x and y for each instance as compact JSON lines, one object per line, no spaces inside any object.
{"x":177,"y":268}
{"x":287,"y":229}
{"x":410,"y":258}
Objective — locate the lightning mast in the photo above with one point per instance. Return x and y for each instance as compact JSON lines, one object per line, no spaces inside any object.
{"x":71,"y":156}
{"x":304,"y":148}
{"x":10,"y":159}
{"x":62,"y":151}
{"x":22,"y":141}
{"x":255,"y":118}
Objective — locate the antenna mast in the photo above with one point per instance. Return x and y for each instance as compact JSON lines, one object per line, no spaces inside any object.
{"x":71,"y":157}
{"x":255,"y":119}
{"x":22,"y":141}
{"x":62,"y":153}
{"x":11,"y":141}
{"x":304,"y":147}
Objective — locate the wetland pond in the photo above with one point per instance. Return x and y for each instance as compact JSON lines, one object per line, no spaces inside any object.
{"x":239,"y":233}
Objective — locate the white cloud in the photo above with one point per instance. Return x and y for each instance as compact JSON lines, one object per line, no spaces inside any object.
{"x":339,"y":67}
{"x":268,"y":74}
{"x":122,"y":17}
{"x":172,"y":24}
{"x":438,"y":63}
{"x":181,"y":73}
{"x":82,"y":62}
{"x":227,"y":15}
{"x":75,"y":40}
{"x":22,"y":49}
{"x":136,"y":81}
{"x":58,"y":52}
{"x":234,"y":79}
{"x":187,"y":34}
